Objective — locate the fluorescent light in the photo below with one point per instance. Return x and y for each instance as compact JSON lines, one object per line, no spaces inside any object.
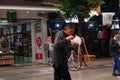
{"x":29,"y":8}
{"x":3,"y":21}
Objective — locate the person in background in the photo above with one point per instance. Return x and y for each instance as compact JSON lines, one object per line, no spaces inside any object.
{"x":102,"y":35}
{"x":62,"y":47}
{"x":114,"y":46}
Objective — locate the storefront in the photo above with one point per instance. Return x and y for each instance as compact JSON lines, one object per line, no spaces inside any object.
{"x":25,"y":37}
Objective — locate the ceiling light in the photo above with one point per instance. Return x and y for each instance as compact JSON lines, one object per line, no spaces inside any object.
{"x":27,"y":12}
{"x":3,"y":21}
{"x":29,"y":8}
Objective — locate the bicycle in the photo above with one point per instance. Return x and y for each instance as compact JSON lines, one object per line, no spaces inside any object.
{"x":76,"y":63}
{"x":73,"y":63}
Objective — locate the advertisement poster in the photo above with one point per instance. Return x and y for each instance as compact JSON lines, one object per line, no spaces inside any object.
{"x":107,"y":18}
{"x":38,"y":26}
{"x":39,"y":46}
{"x":39,"y":42}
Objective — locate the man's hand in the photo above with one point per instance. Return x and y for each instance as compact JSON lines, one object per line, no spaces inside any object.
{"x":70,"y":37}
{"x":74,"y":45}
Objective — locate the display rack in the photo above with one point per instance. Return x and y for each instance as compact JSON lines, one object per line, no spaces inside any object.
{"x":18,"y":38}
{"x":6,"y":59}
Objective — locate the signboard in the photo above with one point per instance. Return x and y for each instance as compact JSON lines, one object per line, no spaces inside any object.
{"x":115,"y":24}
{"x":12,"y":16}
{"x":97,"y":9}
{"x":38,"y":55}
{"x":107,"y":18}
{"x":38,"y":41}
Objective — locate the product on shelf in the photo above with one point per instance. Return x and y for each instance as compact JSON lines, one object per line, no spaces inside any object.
{"x":17,"y":44}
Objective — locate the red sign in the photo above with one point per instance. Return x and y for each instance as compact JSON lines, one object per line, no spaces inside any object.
{"x":38,"y":55}
{"x":39,"y":42}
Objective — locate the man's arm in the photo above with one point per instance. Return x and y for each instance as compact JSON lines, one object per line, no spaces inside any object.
{"x":60,"y":40}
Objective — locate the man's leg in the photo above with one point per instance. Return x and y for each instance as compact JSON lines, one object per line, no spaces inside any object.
{"x":115,"y":64}
{"x":57,"y":72}
{"x":118,"y":66}
{"x":66,"y":74}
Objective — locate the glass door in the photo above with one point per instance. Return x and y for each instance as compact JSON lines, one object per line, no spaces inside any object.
{"x":23,"y":51}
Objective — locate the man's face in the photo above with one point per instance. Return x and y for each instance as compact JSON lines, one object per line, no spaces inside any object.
{"x":69,"y":31}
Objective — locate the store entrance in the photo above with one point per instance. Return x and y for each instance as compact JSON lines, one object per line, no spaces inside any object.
{"x":18,"y":37}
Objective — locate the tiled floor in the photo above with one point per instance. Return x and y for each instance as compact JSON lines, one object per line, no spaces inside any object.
{"x":97,"y":70}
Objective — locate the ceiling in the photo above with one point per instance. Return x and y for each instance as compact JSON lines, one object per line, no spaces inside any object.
{"x":26,"y":13}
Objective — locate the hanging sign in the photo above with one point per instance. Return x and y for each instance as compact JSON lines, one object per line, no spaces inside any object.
{"x":12,"y":16}
{"x":107,"y":18}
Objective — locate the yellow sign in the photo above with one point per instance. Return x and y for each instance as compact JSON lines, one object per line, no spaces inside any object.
{"x":97,"y":9}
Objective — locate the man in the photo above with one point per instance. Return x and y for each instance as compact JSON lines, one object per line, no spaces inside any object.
{"x":62,"y":47}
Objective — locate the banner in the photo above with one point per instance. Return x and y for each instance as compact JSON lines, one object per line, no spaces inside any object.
{"x":39,"y":41}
